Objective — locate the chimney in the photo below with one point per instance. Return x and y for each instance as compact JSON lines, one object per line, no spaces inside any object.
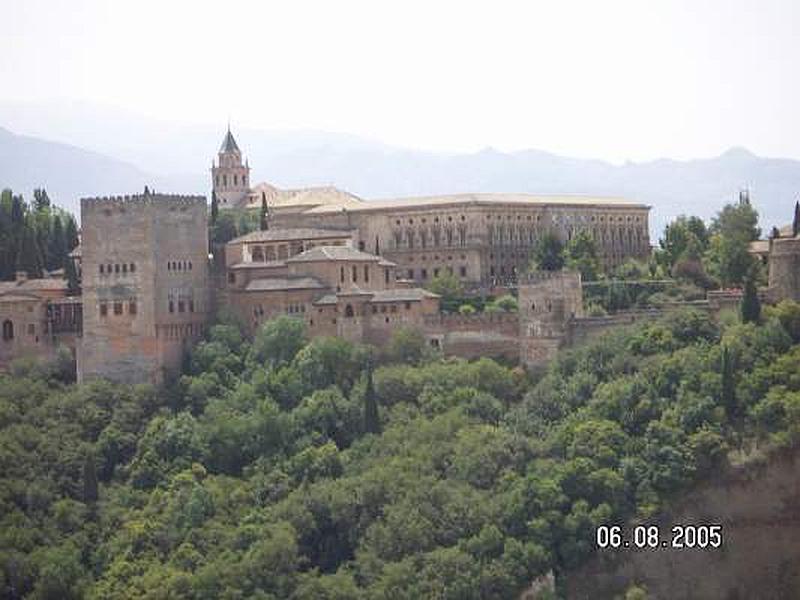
{"x":21,"y":276}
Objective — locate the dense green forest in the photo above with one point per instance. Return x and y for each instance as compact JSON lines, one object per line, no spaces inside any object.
{"x":35,"y":237}
{"x":288,"y":468}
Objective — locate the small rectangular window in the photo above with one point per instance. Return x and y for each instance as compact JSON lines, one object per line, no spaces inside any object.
{"x":171,"y":306}
{"x":124,"y":267}
{"x":366,"y":273}
{"x":181,"y":306}
{"x":103,"y":309}
{"x":191,"y":305}
{"x":117,"y":308}
{"x":231,"y":277}
{"x":116,"y":268}
{"x":133,"y":267}
{"x":132,"y":307}
{"x":463,"y":271}
{"x":355,"y":274}
{"x":101,"y":269}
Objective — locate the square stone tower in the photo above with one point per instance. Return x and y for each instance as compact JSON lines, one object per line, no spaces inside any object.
{"x":145,"y":285}
{"x":548,"y":301}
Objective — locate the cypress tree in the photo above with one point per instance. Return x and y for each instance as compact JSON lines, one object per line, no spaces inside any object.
{"x":214,"y":208}
{"x":29,"y":258}
{"x":73,"y":286}
{"x":71,"y":234}
{"x":751,"y":305}
{"x":264,"y":221}
{"x":41,"y":201}
{"x":796,"y":221}
{"x":90,"y":493}
{"x":57,"y":246}
{"x":728,"y":393}
{"x":372,"y":422}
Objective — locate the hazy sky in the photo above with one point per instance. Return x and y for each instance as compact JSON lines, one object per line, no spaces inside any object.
{"x":609,"y":79}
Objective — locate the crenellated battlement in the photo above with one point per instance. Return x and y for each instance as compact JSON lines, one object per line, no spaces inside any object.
{"x":141,"y":199}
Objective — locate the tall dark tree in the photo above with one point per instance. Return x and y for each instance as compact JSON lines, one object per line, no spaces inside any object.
{"x":71,"y":275}
{"x":581,"y":255}
{"x":18,"y":210}
{"x":372,"y":422}
{"x":751,"y":305}
{"x":29,"y":257}
{"x":548,"y":254}
{"x":264,"y":220}
{"x":796,"y":220}
{"x":214,"y":208}
{"x":41,"y":201}
{"x":57,"y":246}
{"x":71,"y":234}
{"x":90,"y":492}
{"x":728,"y":392}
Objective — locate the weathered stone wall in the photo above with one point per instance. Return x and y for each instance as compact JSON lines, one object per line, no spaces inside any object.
{"x":23,"y":322}
{"x":145,"y":284}
{"x":758,"y":507}
{"x":784,"y":269}
{"x":480,"y":242}
{"x":473,"y":336}
{"x":548,"y":302}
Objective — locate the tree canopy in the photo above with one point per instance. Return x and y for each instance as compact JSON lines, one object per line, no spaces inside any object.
{"x":284,"y":467}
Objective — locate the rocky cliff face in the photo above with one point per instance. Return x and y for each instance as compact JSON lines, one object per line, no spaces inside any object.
{"x":758,"y":507}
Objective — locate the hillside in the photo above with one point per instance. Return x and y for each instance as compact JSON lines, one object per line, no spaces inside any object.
{"x":67,"y":172}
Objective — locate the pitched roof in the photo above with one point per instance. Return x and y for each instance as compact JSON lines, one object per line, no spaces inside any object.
{"x":323,"y":253}
{"x":483,"y":199}
{"x":403,"y":295}
{"x":288,"y":234}
{"x":275,"y":284}
{"x":271,"y":264}
{"x":228,"y":144}
{"x":395,"y":295}
{"x":309,"y":197}
{"x":34,"y":285}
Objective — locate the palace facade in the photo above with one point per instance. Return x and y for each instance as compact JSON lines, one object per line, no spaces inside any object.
{"x":347,"y":267}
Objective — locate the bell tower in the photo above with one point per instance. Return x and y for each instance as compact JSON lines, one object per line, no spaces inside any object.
{"x":229,"y":177}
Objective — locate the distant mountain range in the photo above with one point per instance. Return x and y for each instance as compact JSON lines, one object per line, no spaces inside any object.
{"x":102,"y":152}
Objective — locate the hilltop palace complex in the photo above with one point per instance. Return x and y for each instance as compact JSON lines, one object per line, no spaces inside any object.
{"x":347,"y":267}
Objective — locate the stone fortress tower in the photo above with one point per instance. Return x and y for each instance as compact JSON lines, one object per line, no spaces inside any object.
{"x":145,"y":284}
{"x":784,"y":261}
{"x":229,"y":177}
{"x":548,"y":301}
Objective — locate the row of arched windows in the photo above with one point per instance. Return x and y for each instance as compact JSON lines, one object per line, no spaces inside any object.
{"x":179,"y":265}
{"x":117,"y":268}
{"x":118,"y":308}
{"x":430,"y":237}
{"x":223,"y":180}
{"x":8,"y":330}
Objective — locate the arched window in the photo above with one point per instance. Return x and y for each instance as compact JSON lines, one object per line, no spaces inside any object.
{"x":8,"y":331}
{"x":348,"y":311}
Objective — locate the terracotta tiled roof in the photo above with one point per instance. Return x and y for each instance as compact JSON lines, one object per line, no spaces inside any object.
{"x":301,"y":233}
{"x":323,"y":253}
{"x":271,"y":284}
{"x":483,"y":199}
